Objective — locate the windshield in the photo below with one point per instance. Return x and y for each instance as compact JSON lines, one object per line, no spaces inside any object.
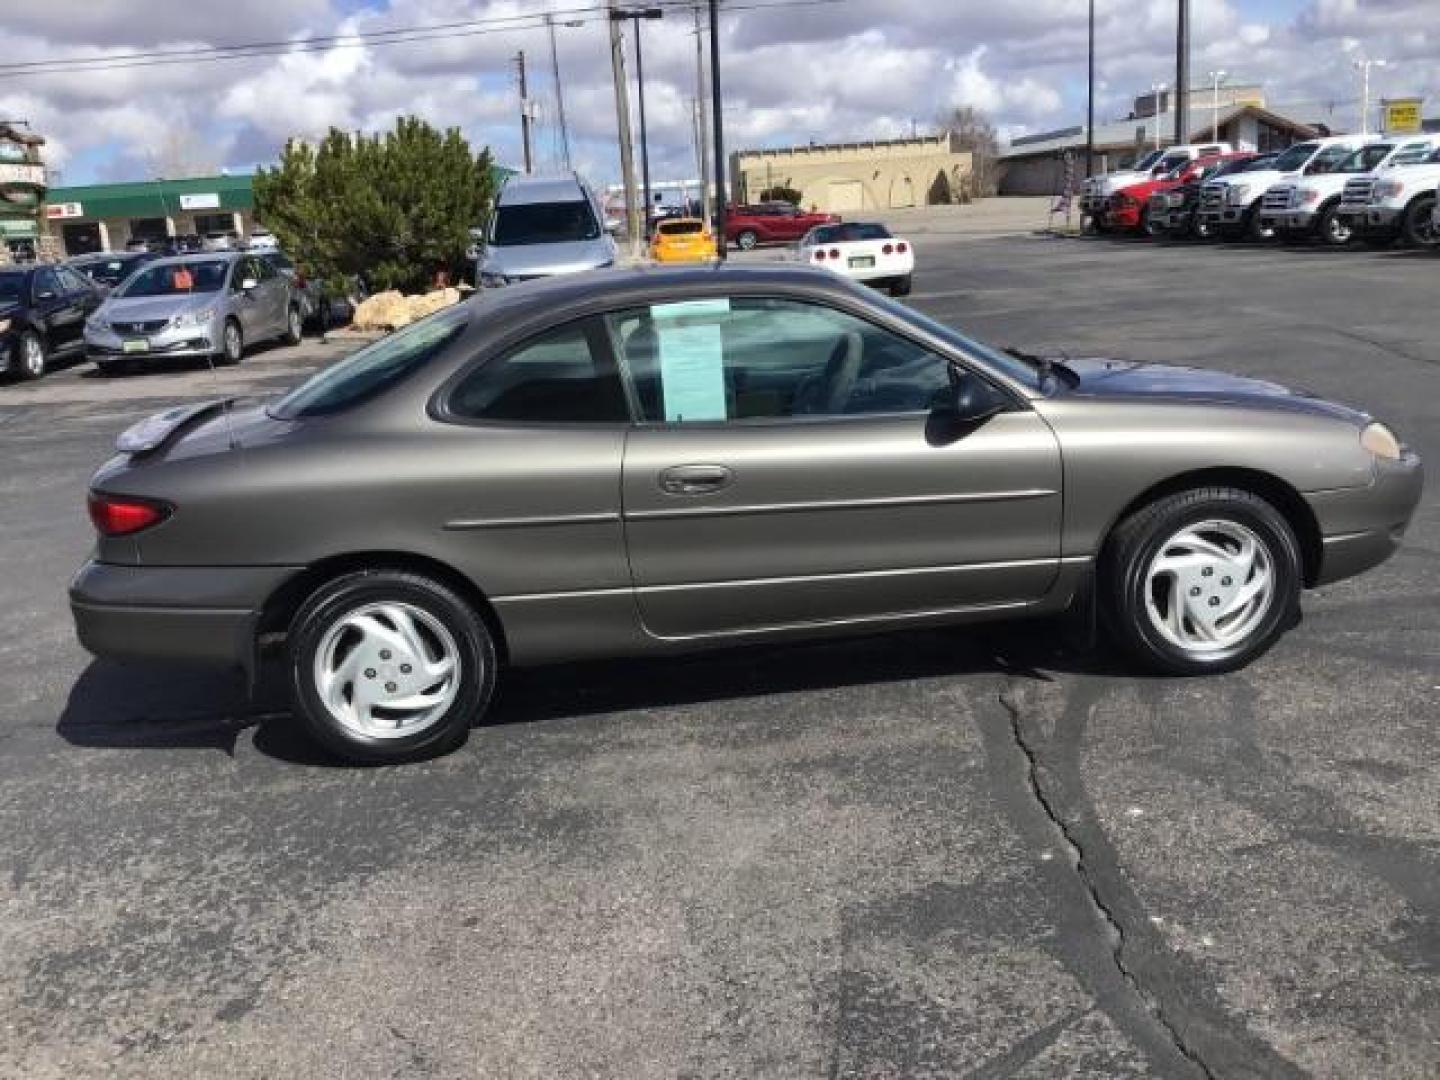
{"x":1295,"y":157}
{"x":375,"y":367}
{"x":1365,"y":159}
{"x":11,"y":287}
{"x":1149,"y":159}
{"x":545,"y":223}
{"x":177,"y":279}
{"x":1258,"y":164}
{"x":1171,"y":162}
{"x":1328,"y":160}
{"x":108,"y":271}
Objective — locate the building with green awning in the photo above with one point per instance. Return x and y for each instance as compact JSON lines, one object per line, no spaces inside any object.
{"x":105,"y":217}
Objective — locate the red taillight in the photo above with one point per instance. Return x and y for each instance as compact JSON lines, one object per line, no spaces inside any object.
{"x":819,"y":256}
{"x":902,"y":247}
{"x":834,"y":253}
{"x":120,"y":515}
{"x":888,"y":249}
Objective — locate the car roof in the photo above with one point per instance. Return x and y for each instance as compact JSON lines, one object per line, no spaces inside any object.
{"x":524,"y":190}
{"x":200,"y":256}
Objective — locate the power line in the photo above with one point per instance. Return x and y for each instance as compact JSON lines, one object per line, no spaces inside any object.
{"x":360,"y":39}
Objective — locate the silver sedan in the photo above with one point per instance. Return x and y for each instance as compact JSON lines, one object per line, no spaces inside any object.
{"x":209,"y":306}
{"x":639,"y":462}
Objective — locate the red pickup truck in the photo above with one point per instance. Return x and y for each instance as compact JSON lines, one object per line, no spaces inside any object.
{"x":1128,"y":210}
{"x":770,"y":223}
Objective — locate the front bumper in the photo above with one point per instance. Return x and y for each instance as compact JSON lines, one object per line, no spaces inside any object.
{"x":1224,"y":216}
{"x":178,"y":341}
{"x":199,"y":614}
{"x":1362,"y":527}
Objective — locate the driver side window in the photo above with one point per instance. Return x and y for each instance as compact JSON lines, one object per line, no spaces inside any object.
{"x":753,"y":358}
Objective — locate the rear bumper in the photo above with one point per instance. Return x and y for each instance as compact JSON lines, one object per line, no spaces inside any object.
{"x":1362,"y":527}
{"x":184,"y":613}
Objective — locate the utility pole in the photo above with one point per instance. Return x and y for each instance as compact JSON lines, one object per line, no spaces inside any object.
{"x":622,"y":118}
{"x":1090,"y":98}
{"x":717,"y":112}
{"x":559,"y":92}
{"x":702,"y":140}
{"x":1182,"y":73}
{"x":524,"y":113}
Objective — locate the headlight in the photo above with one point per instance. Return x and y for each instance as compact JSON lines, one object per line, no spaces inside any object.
{"x":4,"y":325}
{"x":1381,"y":441}
{"x":1308,"y":196}
{"x":1388,"y":189}
{"x":194,"y":317}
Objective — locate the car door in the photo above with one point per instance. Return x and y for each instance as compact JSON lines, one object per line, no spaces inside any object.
{"x":273,"y":295}
{"x":83,"y":291}
{"x":247,"y":303}
{"x":59,"y":313}
{"x":787,"y":472}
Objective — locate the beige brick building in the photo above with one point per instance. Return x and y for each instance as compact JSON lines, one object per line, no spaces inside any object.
{"x":856,"y":176}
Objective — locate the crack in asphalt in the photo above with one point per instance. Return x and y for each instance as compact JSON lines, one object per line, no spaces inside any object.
{"x":1076,"y":851}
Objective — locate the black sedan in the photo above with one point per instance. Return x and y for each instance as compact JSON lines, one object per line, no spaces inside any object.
{"x":42,"y":316}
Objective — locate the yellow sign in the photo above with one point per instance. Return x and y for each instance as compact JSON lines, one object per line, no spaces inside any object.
{"x":1402,"y":116}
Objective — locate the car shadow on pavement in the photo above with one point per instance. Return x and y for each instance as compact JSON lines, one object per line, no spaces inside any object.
{"x":157,"y":706}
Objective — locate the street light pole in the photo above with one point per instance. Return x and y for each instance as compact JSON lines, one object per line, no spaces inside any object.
{"x":1156,"y":89}
{"x":719,"y":119}
{"x":702,"y":134}
{"x":1364,"y":66}
{"x":635,"y":15}
{"x":1216,"y":77}
{"x":1182,"y":73}
{"x":1090,"y":98}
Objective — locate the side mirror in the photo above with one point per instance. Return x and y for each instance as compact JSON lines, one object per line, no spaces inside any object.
{"x":967,"y":402}
{"x":249,"y":284}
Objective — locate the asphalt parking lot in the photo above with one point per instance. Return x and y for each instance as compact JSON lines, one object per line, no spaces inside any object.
{"x":940,"y":854}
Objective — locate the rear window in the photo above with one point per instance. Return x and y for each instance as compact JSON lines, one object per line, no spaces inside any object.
{"x":545,"y":223}
{"x":374,"y":368}
{"x":849,"y":231}
{"x":680,"y":228}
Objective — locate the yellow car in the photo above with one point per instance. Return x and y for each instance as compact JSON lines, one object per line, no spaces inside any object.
{"x":682,"y":239}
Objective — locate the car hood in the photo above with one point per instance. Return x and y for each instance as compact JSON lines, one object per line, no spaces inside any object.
{"x":542,"y":260}
{"x":1107,"y":378}
{"x":1113,"y":182}
{"x":145,"y":308}
{"x":1260,"y":180}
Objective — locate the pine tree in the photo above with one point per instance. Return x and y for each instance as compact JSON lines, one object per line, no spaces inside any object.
{"x":394,"y":208}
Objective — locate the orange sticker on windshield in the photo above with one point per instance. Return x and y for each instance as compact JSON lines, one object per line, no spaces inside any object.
{"x":183,"y":278}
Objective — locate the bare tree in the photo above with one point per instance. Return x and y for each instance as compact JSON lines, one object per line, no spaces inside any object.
{"x":972,"y":130}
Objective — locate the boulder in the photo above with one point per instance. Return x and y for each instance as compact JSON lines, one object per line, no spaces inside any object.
{"x":383,"y":311}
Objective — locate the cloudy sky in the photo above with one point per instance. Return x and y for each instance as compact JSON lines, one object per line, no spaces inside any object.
{"x":812,"y":70}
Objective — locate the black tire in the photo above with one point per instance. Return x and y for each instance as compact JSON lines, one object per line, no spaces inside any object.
{"x":1201,"y":229}
{"x":1139,"y":539}
{"x":30,"y":360}
{"x":1417,"y":229}
{"x":901,"y":286}
{"x":476,"y":660}
{"x":1332,"y":229}
{"x":294,"y":326}
{"x":746,"y":239}
{"x":232,"y":348}
{"x":1150,"y":227}
{"x":1255,"y":228}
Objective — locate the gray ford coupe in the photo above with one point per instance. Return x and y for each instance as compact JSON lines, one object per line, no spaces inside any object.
{"x":642,"y":461}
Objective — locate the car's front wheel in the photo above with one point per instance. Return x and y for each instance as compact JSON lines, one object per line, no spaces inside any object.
{"x":1201,"y":581}
{"x":232,"y":343}
{"x":30,"y":358}
{"x":387,"y":666}
{"x":746,"y":239}
{"x":294,"y":326}
{"x":1334,"y":230}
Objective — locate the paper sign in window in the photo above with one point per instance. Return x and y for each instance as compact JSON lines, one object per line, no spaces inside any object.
{"x":183,"y":278}
{"x":692,"y":359}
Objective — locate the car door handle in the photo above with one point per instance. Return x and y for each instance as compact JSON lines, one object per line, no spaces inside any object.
{"x":695,"y":479}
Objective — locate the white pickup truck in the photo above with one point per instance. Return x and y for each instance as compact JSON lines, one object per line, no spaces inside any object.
{"x":1395,"y":202}
{"x":1097,"y":189}
{"x":1311,"y":205}
{"x":1231,"y":204}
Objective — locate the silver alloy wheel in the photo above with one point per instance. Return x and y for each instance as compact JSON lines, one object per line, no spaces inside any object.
{"x":32,"y":356}
{"x":387,"y":670}
{"x":1336,"y":230}
{"x":233,"y":345}
{"x":1209,"y":586}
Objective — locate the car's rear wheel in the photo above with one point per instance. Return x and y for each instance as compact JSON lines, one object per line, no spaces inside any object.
{"x":30,"y":358}
{"x":746,"y":239}
{"x":232,"y":343}
{"x":1201,"y":228}
{"x":294,"y":326}
{"x":1201,"y":581}
{"x":1257,"y":228}
{"x":387,"y":666}
{"x":901,"y":286}
{"x":1150,"y":226}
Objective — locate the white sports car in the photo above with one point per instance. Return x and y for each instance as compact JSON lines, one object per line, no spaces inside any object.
{"x":861,"y":250}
